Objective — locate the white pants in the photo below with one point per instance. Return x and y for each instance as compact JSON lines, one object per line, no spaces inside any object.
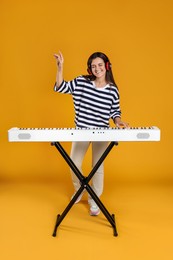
{"x":78,"y":152}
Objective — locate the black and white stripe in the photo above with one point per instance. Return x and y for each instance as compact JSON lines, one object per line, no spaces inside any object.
{"x":93,"y":106}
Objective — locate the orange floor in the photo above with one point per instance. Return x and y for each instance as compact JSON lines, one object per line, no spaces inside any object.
{"x":144,"y":216}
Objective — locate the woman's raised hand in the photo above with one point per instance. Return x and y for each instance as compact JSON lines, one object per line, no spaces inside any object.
{"x":59,"y":59}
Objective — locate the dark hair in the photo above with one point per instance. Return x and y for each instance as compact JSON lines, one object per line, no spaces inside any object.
{"x":109,"y":74}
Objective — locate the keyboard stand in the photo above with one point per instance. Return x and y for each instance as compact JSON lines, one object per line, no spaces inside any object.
{"x":84,"y":185}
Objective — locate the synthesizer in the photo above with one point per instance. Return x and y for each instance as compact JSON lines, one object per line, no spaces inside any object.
{"x":16,"y":134}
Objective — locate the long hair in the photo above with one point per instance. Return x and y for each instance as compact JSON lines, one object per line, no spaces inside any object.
{"x":109,"y":75}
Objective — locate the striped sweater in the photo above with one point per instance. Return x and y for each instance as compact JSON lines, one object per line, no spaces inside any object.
{"x":93,"y":106}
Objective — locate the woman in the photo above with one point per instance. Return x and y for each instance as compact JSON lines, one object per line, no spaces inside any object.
{"x":96,"y":101}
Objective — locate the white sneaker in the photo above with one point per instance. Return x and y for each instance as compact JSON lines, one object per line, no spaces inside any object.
{"x":94,"y":210}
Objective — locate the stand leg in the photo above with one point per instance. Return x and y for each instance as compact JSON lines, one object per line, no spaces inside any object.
{"x":114,"y":228}
{"x":110,"y":218}
{"x":56,"y":225}
{"x":62,"y":216}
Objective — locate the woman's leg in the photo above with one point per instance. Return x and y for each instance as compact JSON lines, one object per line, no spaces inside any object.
{"x":98,"y":179}
{"x":78,"y":152}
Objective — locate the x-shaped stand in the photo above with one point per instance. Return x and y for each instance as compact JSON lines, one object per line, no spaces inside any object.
{"x":84,"y":185}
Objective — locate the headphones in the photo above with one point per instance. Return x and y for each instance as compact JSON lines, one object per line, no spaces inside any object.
{"x":107,"y":66}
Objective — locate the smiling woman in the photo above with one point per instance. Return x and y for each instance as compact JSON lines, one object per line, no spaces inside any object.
{"x":96,"y":101}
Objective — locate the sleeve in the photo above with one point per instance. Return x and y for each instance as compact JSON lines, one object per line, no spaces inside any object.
{"x":66,"y":87}
{"x":115,"y":109}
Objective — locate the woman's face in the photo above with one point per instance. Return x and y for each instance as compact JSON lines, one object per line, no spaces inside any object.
{"x":98,"y":67}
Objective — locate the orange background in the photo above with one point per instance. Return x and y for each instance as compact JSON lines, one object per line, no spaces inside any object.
{"x":137,"y":37}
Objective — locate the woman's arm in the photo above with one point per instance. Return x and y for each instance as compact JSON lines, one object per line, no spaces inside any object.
{"x":60,"y":61}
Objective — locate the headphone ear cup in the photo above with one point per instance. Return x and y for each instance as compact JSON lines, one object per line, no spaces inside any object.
{"x":108,"y":65}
